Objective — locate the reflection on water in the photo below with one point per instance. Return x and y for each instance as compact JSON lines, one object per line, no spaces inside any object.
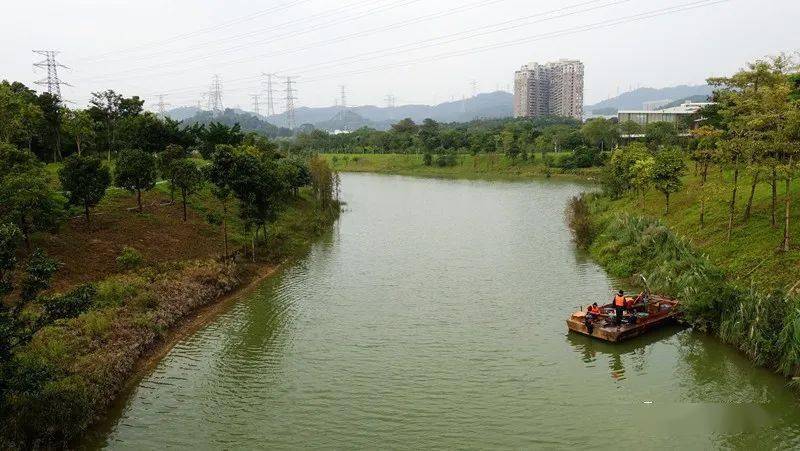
{"x":434,"y":317}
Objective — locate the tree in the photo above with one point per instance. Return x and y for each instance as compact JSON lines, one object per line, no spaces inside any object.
{"x":706,"y":149}
{"x":187,"y":177}
{"x":171,"y":154}
{"x":658,"y":134}
{"x":11,"y":105}
{"x":86,"y":179}
{"x":668,"y":169}
{"x":26,"y":197}
{"x":31,"y":120}
{"x":136,"y":172}
{"x":405,"y":126}
{"x":10,"y":237}
{"x":107,"y":108}
{"x":630,"y":128}
{"x":38,"y":272}
{"x":79,"y":125}
{"x":52,"y":112}
{"x":508,"y":142}
{"x":601,"y":133}
{"x":642,"y":177}
{"x":220,"y":173}
{"x":618,"y":171}
{"x":429,"y":135}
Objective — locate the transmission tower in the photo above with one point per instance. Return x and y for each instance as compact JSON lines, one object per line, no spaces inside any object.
{"x":215,"y":95}
{"x":474,"y":85}
{"x":390,"y":100}
{"x":290,"y":98}
{"x":270,"y":96}
{"x":162,"y":106}
{"x":343,"y":96}
{"x":255,"y":104}
{"x":51,"y":65}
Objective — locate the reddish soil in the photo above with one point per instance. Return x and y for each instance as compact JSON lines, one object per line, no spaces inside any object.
{"x":89,"y":253}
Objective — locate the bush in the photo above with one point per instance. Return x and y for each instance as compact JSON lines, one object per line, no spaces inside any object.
{"x":114,"y":291}
{"x":68,"y":305}
{"x":129,"y":258}
{"x":579,"y":222}
{"x":446,"y":159}
{"x":427,"y":159}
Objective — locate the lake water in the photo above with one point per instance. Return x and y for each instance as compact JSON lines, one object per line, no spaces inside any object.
{"x":433,"y":316}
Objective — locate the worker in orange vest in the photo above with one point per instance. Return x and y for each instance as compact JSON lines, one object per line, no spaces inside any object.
{"x":619,"y":306}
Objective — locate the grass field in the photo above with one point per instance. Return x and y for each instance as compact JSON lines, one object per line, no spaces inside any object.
{"x":751,"y":255}
{"x":486,"y":166}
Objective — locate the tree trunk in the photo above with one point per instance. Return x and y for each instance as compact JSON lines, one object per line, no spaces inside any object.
{"x":139,"y":199}
{"x":253,"y":246}
{"x":773,"y":220}
{"x":732,"y":206}
{"x":225,"y":229}
{"x":86,"y":211}
{"x":183,"y":196}
{"x":788,"y":202}
{"x":749,"y":206}
{"x":666,"y":204}
{"x":78,"y":143}
{"x":703,"y":194}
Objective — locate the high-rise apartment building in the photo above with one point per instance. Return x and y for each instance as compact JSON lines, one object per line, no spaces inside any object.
{"x":552,"y":89}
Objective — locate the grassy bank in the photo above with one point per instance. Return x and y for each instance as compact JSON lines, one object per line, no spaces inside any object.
{"x":127,"y":281}
{"x":741,"y":290}
{"x":482,"y":166}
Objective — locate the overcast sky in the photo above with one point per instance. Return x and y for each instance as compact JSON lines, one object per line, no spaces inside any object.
{"x":420,"y":51}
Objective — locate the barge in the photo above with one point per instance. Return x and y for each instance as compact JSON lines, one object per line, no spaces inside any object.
{"x":645,"y":312}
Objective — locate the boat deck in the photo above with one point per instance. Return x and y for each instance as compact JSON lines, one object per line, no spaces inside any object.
{"x":658,"y":311}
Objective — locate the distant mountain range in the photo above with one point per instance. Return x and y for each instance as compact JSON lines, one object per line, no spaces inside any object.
{"x":498,"y":104}
{"x":633,"y":100}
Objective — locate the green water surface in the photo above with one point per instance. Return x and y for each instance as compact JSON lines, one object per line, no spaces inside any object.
{"x":433,"y":316}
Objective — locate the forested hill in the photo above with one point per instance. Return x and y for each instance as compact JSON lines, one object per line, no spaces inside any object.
{"x":248,"y":122}
{"x":632,"y":100}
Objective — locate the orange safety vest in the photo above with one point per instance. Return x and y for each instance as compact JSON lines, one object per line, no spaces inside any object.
{"x":595,"y":310}
{"x":619,"y":301}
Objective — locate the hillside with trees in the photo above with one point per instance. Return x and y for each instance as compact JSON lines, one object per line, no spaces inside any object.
{"x":115,"y":225}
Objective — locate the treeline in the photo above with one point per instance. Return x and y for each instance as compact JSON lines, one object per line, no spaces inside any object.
{"x":113,"y":143}
{"x":752,"y":132}
{"x":583,"y":144}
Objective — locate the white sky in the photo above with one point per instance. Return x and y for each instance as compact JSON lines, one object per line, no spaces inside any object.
{"x":421,"y":51}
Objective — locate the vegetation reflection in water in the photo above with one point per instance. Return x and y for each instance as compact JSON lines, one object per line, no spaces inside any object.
{"x":433,"y":316}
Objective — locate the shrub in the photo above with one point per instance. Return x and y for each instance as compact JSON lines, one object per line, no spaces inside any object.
{"x":427,"y":159}
{"x":69,"y":305}
{"x":37,"y":274}
{"x":129,"y":258}
{"x":114,"y":291}
{"x":579,"y":221}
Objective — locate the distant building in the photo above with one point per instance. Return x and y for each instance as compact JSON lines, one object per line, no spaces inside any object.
{"x":552,"y":89}
{"x":679,"y":115}
{"x":655,"y":104}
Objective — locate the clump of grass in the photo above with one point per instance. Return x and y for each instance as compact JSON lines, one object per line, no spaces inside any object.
{"x":129,"y":258}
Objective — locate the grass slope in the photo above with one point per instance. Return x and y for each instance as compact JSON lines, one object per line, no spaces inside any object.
{"x":751,"y":255}
{"x":485,"y":166}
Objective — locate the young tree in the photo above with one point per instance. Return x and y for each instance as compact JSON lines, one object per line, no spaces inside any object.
{"x":136,"y":172}
{"x":704,"y":153}
{"x":10,"y":237}
{"x":166,"y":158}
{"x":52,"y":112}
{"x":658,"y":134}
{"x":86,"y":179}
{"x":38,"y":272}
{"x":508,"y":142}
{"x":642,"y":177}
{"x":667,"y":171}
{"x":79,"y":125}
{"x":26,"y":197}
{"x":220,"y":173}
{"x":188,"y":179}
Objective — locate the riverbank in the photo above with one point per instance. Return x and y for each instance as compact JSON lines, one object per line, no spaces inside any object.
{"x":742,"y":290}
{"x":483,"y":166}
{"x":118,"y":318}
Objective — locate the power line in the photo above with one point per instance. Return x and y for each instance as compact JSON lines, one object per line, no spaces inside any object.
{"x":187,"y":35}
{"x":51,"y":65}
{"x":548,"y":35}
{"x":255,"y":104}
